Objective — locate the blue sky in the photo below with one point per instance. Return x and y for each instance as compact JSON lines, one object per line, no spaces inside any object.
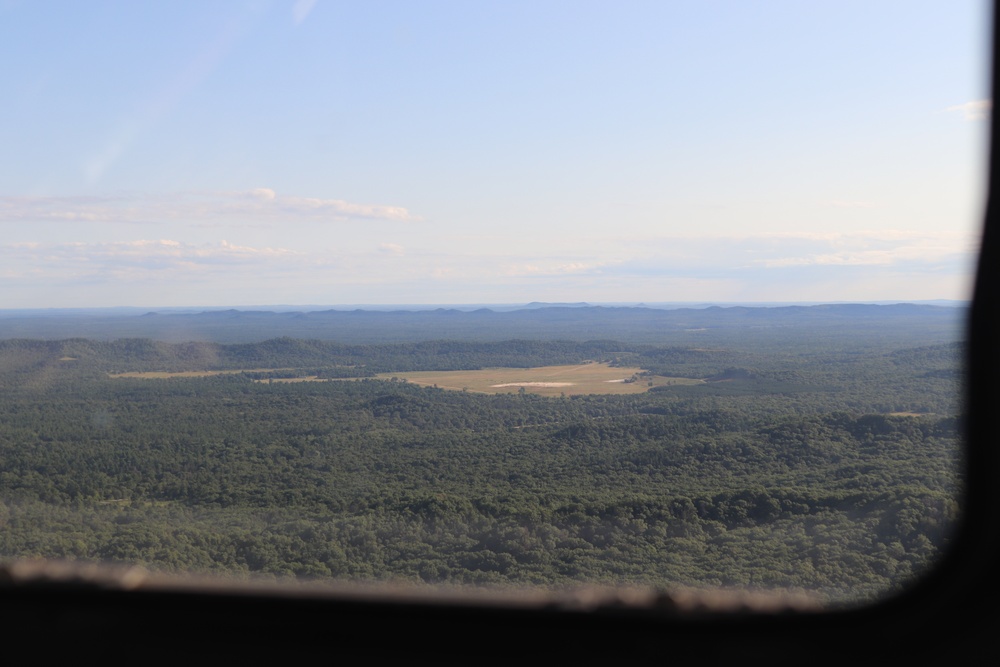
{"x":241,"y":153}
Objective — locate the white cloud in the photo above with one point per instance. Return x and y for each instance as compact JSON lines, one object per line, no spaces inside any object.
{"x":760,"y":267}
{"x":152,"y":254}
{"x":262,"y":194}
{"x":868,"y":258}
{"x":976,"y":110}
{"x":338,"y":209}
{"x":754,"y":255}
{"x":553,"y":269}
{"x":259,"y":205}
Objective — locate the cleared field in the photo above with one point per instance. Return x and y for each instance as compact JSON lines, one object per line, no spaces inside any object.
{"x":592,"y":378}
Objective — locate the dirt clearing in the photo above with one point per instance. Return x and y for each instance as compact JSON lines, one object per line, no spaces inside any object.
{"x":592,"y":378}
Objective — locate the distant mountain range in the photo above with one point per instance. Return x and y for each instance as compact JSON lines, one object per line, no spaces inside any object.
{"x":579,"y":322}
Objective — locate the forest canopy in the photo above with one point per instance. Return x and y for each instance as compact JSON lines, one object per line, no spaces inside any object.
{"x":827,"y":469}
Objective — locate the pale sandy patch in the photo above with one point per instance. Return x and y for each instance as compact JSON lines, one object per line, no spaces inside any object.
{"x":553,"y":381}
{"x":535,"y":384}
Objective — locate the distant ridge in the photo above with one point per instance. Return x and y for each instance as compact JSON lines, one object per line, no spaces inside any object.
{"x":543,"y":304}
{"x":714,"y":325}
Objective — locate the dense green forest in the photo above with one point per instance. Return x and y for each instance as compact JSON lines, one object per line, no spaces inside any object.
{"x":817,"y":467}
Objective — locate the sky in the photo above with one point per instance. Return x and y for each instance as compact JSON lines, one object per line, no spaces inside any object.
{"x":238,"y":153}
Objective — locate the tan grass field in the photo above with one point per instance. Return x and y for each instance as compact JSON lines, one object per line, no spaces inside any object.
{"x":589,"y":378}
{"x":592,"y":378}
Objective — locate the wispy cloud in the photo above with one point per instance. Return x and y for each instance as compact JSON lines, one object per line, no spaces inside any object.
{"x":757,"y":255}
{"x":301,"y":9}
{"x":975,"y":110}
{"x":554,"y":268}
{"x":879,"y":263}
{"x":260,"y":205}
{"x":151,"y":254}
{"x":873,"y":248}
{"x":391,"y":249}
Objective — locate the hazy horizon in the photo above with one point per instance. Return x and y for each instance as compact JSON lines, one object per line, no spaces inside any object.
{"x":669,"y":305}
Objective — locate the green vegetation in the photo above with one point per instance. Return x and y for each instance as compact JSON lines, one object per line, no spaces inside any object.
{"x":775,"y":467}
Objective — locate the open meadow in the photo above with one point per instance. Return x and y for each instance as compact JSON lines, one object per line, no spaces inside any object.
{"x":588,"y":378}
{"x":568,"y":380}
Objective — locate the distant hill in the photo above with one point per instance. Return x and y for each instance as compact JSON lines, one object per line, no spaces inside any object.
{"x":542,"y":304}
{"x":714,"y":325}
